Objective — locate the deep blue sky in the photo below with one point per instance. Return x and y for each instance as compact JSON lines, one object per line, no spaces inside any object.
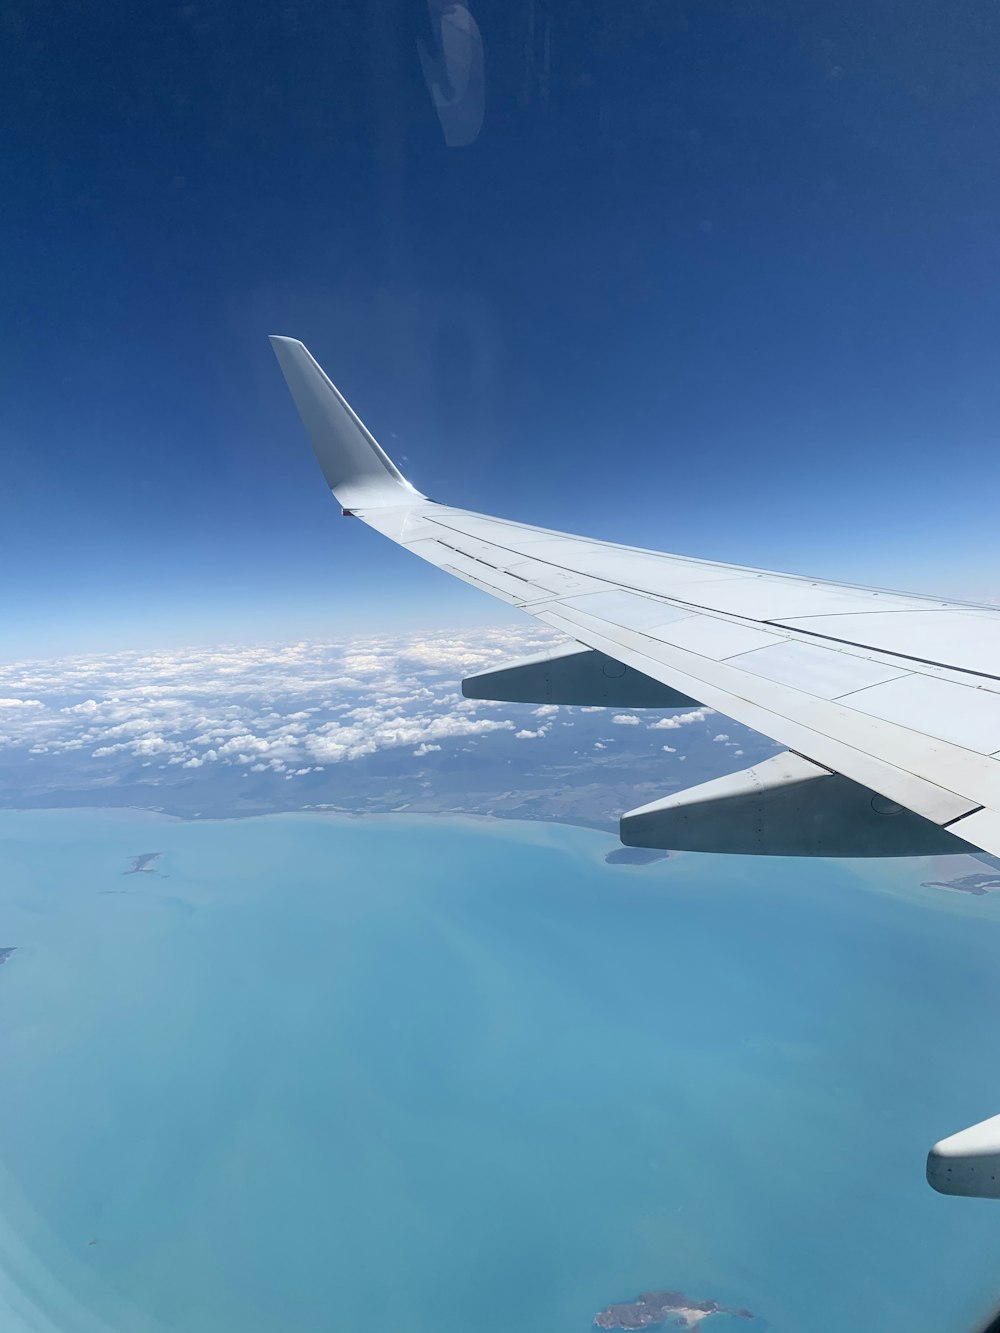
{"x":715,"y":277}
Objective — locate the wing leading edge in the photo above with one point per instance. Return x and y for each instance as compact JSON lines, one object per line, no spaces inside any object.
{"x":889,"y":704}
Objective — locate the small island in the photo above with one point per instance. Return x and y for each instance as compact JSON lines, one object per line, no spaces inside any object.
{"x":6,"y":953}
{"x":143,"y":864}
{"x":977,"y":885}
{"x":661,"y":1307}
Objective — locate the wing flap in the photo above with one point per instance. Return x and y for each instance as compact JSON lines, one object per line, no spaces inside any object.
{"x":963,"y":715}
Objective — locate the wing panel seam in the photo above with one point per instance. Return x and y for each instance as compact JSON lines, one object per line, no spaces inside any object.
{"x":887,"y":652}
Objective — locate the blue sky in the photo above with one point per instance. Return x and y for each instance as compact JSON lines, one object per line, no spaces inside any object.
{"x":717,"y":278}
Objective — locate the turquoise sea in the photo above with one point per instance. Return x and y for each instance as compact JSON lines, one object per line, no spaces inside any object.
{"x":424,"y":1075}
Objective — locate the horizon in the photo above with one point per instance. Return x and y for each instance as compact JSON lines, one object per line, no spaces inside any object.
{"x":707,"y":281}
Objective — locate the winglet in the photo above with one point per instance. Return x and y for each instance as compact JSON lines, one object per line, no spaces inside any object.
{"x":360,"y":474}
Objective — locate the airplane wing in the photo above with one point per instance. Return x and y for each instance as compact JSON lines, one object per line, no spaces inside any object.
{"x":888,"y":704}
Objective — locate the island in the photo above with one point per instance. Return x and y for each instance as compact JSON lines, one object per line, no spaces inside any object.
{"x":6,"y":953}
{"x":661,"y":1307}
{"x":635,"y":856}
{"x":977,"y":885}
{"x":143,"y":864}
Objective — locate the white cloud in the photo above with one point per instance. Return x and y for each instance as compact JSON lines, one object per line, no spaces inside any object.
{"x":277,"y":709}
{"x":681,"y":719}
{"x":147,"y":745}
{"x":669,"y":749}
{"x":335,"y":743}
{"x":721,"y":738}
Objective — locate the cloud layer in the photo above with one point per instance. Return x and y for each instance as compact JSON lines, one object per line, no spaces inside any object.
{"x":284,"y":707}
{"x":369,"y":724}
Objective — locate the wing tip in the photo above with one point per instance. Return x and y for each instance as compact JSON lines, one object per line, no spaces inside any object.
{"x":357,"y":469}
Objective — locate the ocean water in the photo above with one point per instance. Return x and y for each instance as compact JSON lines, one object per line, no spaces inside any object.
{"x":455,"y":1076}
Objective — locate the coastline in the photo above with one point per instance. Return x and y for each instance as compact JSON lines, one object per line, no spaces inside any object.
{"x":903,"y":879}
{"x":523,"y":830}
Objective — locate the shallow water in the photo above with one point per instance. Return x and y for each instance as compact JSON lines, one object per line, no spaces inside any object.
{"x":438,"y":1076}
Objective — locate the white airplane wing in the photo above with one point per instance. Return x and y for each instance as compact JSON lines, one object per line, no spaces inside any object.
{"x":888,"y":704}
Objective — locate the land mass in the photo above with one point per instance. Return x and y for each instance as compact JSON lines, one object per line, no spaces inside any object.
{"x":977,"y":884}
{"x":634,"y":856}
{"x":660,"y":1307}
{"x":143,"y":864}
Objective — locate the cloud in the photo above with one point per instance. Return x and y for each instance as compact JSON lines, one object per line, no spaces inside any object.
{"x":281,"y":706}
{"x":274,"y":712}
{"x":721,"y":738}
{"x":147,"y":745}
{"x":681,"y":719}
{"x":335,"y":743}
